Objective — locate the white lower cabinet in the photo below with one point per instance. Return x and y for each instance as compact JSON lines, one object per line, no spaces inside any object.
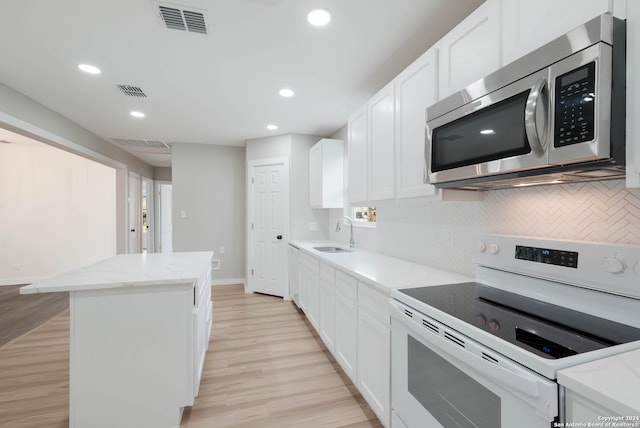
{"x":346,"y":335}
{"x":352,"y":318}
{"x":373,"y":364}
{"x":327,"y":321}
{"x":580,"y":409}
{"x":309,"y":293}
{"x":374,"y":350}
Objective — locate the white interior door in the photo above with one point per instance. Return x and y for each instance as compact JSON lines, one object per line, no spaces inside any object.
{"x":147,"y":215}
{"x":165,"y":223}
{"x":269,"y":227}
{"x":135,"y":213}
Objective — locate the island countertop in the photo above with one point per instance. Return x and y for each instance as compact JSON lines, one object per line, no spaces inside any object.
{"x":127,"y":270}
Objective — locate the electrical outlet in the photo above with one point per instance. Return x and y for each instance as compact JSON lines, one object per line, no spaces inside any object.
{"x":183,"y":213}
{"x":215,"y":264}
{"x":222,"y":250}
{"x":450,"y":238}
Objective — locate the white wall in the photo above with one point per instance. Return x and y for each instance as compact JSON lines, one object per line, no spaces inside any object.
{"x":26,"y":117}
{"x":209,"y":185}
{"x":600,"y":211}
{"x":57,"y":212}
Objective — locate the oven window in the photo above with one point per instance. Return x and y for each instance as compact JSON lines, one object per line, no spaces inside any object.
{"x":494,"y":132}
{"x":451,"y":396}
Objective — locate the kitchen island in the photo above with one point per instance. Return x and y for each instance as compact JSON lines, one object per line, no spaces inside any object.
{"x":140,"y":327}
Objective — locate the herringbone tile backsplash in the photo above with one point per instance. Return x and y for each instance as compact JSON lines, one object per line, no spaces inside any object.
{"x":446,"y":234}
{"x":601,"y":211}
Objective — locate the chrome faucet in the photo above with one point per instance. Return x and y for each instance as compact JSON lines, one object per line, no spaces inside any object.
{"x":352,"y":242}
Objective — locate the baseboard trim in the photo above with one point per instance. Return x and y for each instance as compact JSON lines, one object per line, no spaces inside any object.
{"x":228,"y":281}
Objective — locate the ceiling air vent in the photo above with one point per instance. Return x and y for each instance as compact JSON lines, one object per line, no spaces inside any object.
{"x":132,"y":91}
{"x":141,"y":143}
{"x":182,"y":19}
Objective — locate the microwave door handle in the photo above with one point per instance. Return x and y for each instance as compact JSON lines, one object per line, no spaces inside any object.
{"x":536,"y":95}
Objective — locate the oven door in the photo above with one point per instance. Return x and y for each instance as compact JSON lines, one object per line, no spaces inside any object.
{"x":441,"y":378}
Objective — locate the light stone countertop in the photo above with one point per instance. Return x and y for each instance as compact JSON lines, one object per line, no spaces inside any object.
{"x":611,"y":382}
{"x":380,"y":271}
{"x":128,"y":270}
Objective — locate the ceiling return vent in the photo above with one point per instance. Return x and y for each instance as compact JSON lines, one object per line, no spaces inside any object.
{"x":156,"y":144}
{"x":132,"y":91}
{"x":176,"y":18}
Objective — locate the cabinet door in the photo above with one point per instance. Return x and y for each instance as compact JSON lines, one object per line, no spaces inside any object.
{"x":381,"y":176}
{"x":313,"y":303}
{"x":328,"y":314}
{"x":471,"y":50}
{"x":373,"y":364}
{"x":315,"y":176}
{"x":416,"y":89}
{"x":303,"y":288}
{"x":294,"y":276}
{"x":579,"y":408}
{"x":528,"y":25}
{"x":346,"y":335}
{"x":357,"y":156}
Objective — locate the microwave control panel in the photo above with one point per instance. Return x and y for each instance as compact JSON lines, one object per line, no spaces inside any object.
{"x":574,"y":106}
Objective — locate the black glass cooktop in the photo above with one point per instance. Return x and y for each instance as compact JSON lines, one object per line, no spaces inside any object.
{"x":545,"y":329}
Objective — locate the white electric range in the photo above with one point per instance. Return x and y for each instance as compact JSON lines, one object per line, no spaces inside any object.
{"x":487,"y":353}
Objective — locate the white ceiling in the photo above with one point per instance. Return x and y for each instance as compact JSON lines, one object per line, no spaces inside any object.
{"x":222,"y":87}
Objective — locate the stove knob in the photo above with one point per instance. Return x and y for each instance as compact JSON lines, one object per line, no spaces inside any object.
{"x":481,"y":247}
{"x":493,"y":248}
{"x":481,"y":321}
{"x":614,"y":265}
{"x":494,"y":325}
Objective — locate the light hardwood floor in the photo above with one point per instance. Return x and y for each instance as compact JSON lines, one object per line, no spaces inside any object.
{"x":265,"y":367}
{"x":21,"y":313}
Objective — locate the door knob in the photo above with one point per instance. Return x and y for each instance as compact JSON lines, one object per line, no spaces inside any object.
{"x":279,"y":237}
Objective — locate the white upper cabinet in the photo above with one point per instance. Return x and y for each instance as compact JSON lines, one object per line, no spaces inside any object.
{"x":471,"y":50}
{"x":357,"y":156}
{"x":326,"y":174}
{"x":381,"y":172}
{"x":527,"y":25}
{"x":371,"y":149}
{"x":416,"y":88}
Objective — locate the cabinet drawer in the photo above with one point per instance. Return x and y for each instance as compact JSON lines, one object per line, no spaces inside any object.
{"x":310,"y":263}
{"x":327,"y":273}
{"x":374,"y":302}
{"x":347,"y":286}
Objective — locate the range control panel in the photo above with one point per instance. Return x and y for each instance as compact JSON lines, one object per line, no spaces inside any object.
{"x":547,"y":256}
{"x":614,"y":268}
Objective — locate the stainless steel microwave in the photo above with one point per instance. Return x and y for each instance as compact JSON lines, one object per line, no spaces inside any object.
{"x":555,"y":115}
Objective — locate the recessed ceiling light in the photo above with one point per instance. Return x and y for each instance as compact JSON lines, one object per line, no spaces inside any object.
{"x":319,"y":17}
{"x":137,"y":114}
{"x":272,"y":127}
{"x":286,"y":93}
{"x":89,"y":69}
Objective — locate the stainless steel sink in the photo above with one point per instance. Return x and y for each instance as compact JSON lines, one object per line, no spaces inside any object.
{"x":332,"y":249}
